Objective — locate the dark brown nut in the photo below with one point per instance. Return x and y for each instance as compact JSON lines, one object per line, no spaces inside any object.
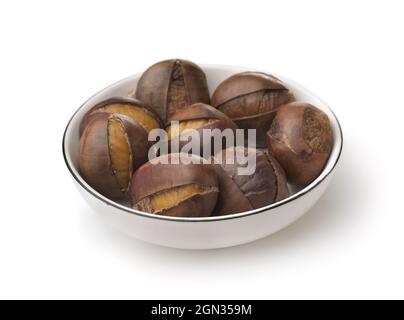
{"x":179,"y":190}
{"x":200,"y":116}
{"x":111,"y":148}
{"x":132,"y":108}
{"x":251,"y":100}
{"x":239,"y":193}
{"x":300,"y":138}
{"x":169,"y":86}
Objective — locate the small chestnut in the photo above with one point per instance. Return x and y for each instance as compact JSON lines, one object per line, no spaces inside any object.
{"x":243,"y":192}
{"x":175,"y":187}
{"x":251,"y":100}
{"x":200,"y":116}
{"x":112,"y":146}
{"x":171,"y":85}
{"x":300,"y":138}
{"x":132,"y":108}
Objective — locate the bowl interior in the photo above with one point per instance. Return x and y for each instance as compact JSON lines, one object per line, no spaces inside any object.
{"x":215,"y":74}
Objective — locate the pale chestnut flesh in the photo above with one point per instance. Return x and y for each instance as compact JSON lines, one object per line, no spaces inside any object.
{"x":168,"y":199}
{"x":120,"y":153}
{"x":175,"y":189}
{"x":198,"y":117}
{"x":144,"y":117}
{"x":177,"y":97}
{"x":132,"y":108}
{"x":111,"y":147}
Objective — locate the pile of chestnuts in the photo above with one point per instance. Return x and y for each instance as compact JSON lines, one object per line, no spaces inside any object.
{"x":293,"y":143}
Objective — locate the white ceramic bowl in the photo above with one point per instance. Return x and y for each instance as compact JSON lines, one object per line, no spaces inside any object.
{"x":200,"y":233}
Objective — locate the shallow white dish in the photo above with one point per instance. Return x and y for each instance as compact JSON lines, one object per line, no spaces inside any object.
{"x":201,"y":233}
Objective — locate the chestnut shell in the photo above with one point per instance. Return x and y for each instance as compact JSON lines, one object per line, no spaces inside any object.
{"x":251,"y":99}
{"x":201,"y":111}
{"x":117,"y":100}
{"x":171,"y":85}
{"x":239,"y":193}
{"x":300,"y":138}
{"x":94,"y":154}
{"x":151,"y":178}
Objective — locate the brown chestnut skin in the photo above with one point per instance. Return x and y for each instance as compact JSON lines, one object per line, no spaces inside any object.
{"x":239,"y":193}
{"x":171,"y":85}
{"x":130,"y":107}
{"x":199,"y":116}
{"x":251,"y":99}
{"x":175,"y":189}
{"x":300,"y":138}
{"x":112,"y":146}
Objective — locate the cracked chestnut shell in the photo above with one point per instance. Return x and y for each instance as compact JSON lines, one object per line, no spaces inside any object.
{"x":175,"y":189}
{"x":300,"y":138}
{"x":239,"y":193}
{"x":251,"y":99}
{"x":112,"y":146}
{"x":171,"y":85}
{"x":200,"y":116}
{"x":130,"y":107}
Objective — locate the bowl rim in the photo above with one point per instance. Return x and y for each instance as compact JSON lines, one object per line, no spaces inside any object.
{"x":267,"y":209}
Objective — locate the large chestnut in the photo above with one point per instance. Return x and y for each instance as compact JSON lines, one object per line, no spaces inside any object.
{"x":171,"y":85}
{"x":300,"y":138}
{"x":175,"y":187}
{"x":200,"y":117}
{"x":251,"y":99}
{"x":243,"y":192}
{"x":111,"y":148}
{"x":132,"y":108}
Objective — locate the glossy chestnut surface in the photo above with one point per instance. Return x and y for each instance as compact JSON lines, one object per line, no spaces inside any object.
{"x":111,"y":148}
{"x":171,"y":186}
{"x":197,"y":118}
{"x":243,"y":191}
{"x":300,"y":138}
{"x":251,"y":99}
{"x":130,"y":107}
{"x":171,"y":85}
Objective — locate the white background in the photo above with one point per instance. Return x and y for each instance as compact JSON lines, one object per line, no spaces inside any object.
{"x":55,"y":55}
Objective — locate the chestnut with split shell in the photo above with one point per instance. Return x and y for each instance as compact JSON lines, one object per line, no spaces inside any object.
{"x":213,"y":231}
{"x":171,"y":85}
{"x":199,"y":117}
{"x":132,"y":108}
{"x":111,"y":148}
{"x":300,"y":138}
{"x":251,"y":99}
{"x":175,"y":187}
{"x":238,"y":193}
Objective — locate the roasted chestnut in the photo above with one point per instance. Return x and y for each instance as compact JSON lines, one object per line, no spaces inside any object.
{"x":171,"y":85}
{"x":132,"y":108}
{"x":300,"y":138}
{"x":251,"y":99}
{"x":172,"y":186}
{"x":266,"y":184}
{"x":200,"y":116}
{"x":112,"y":146}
